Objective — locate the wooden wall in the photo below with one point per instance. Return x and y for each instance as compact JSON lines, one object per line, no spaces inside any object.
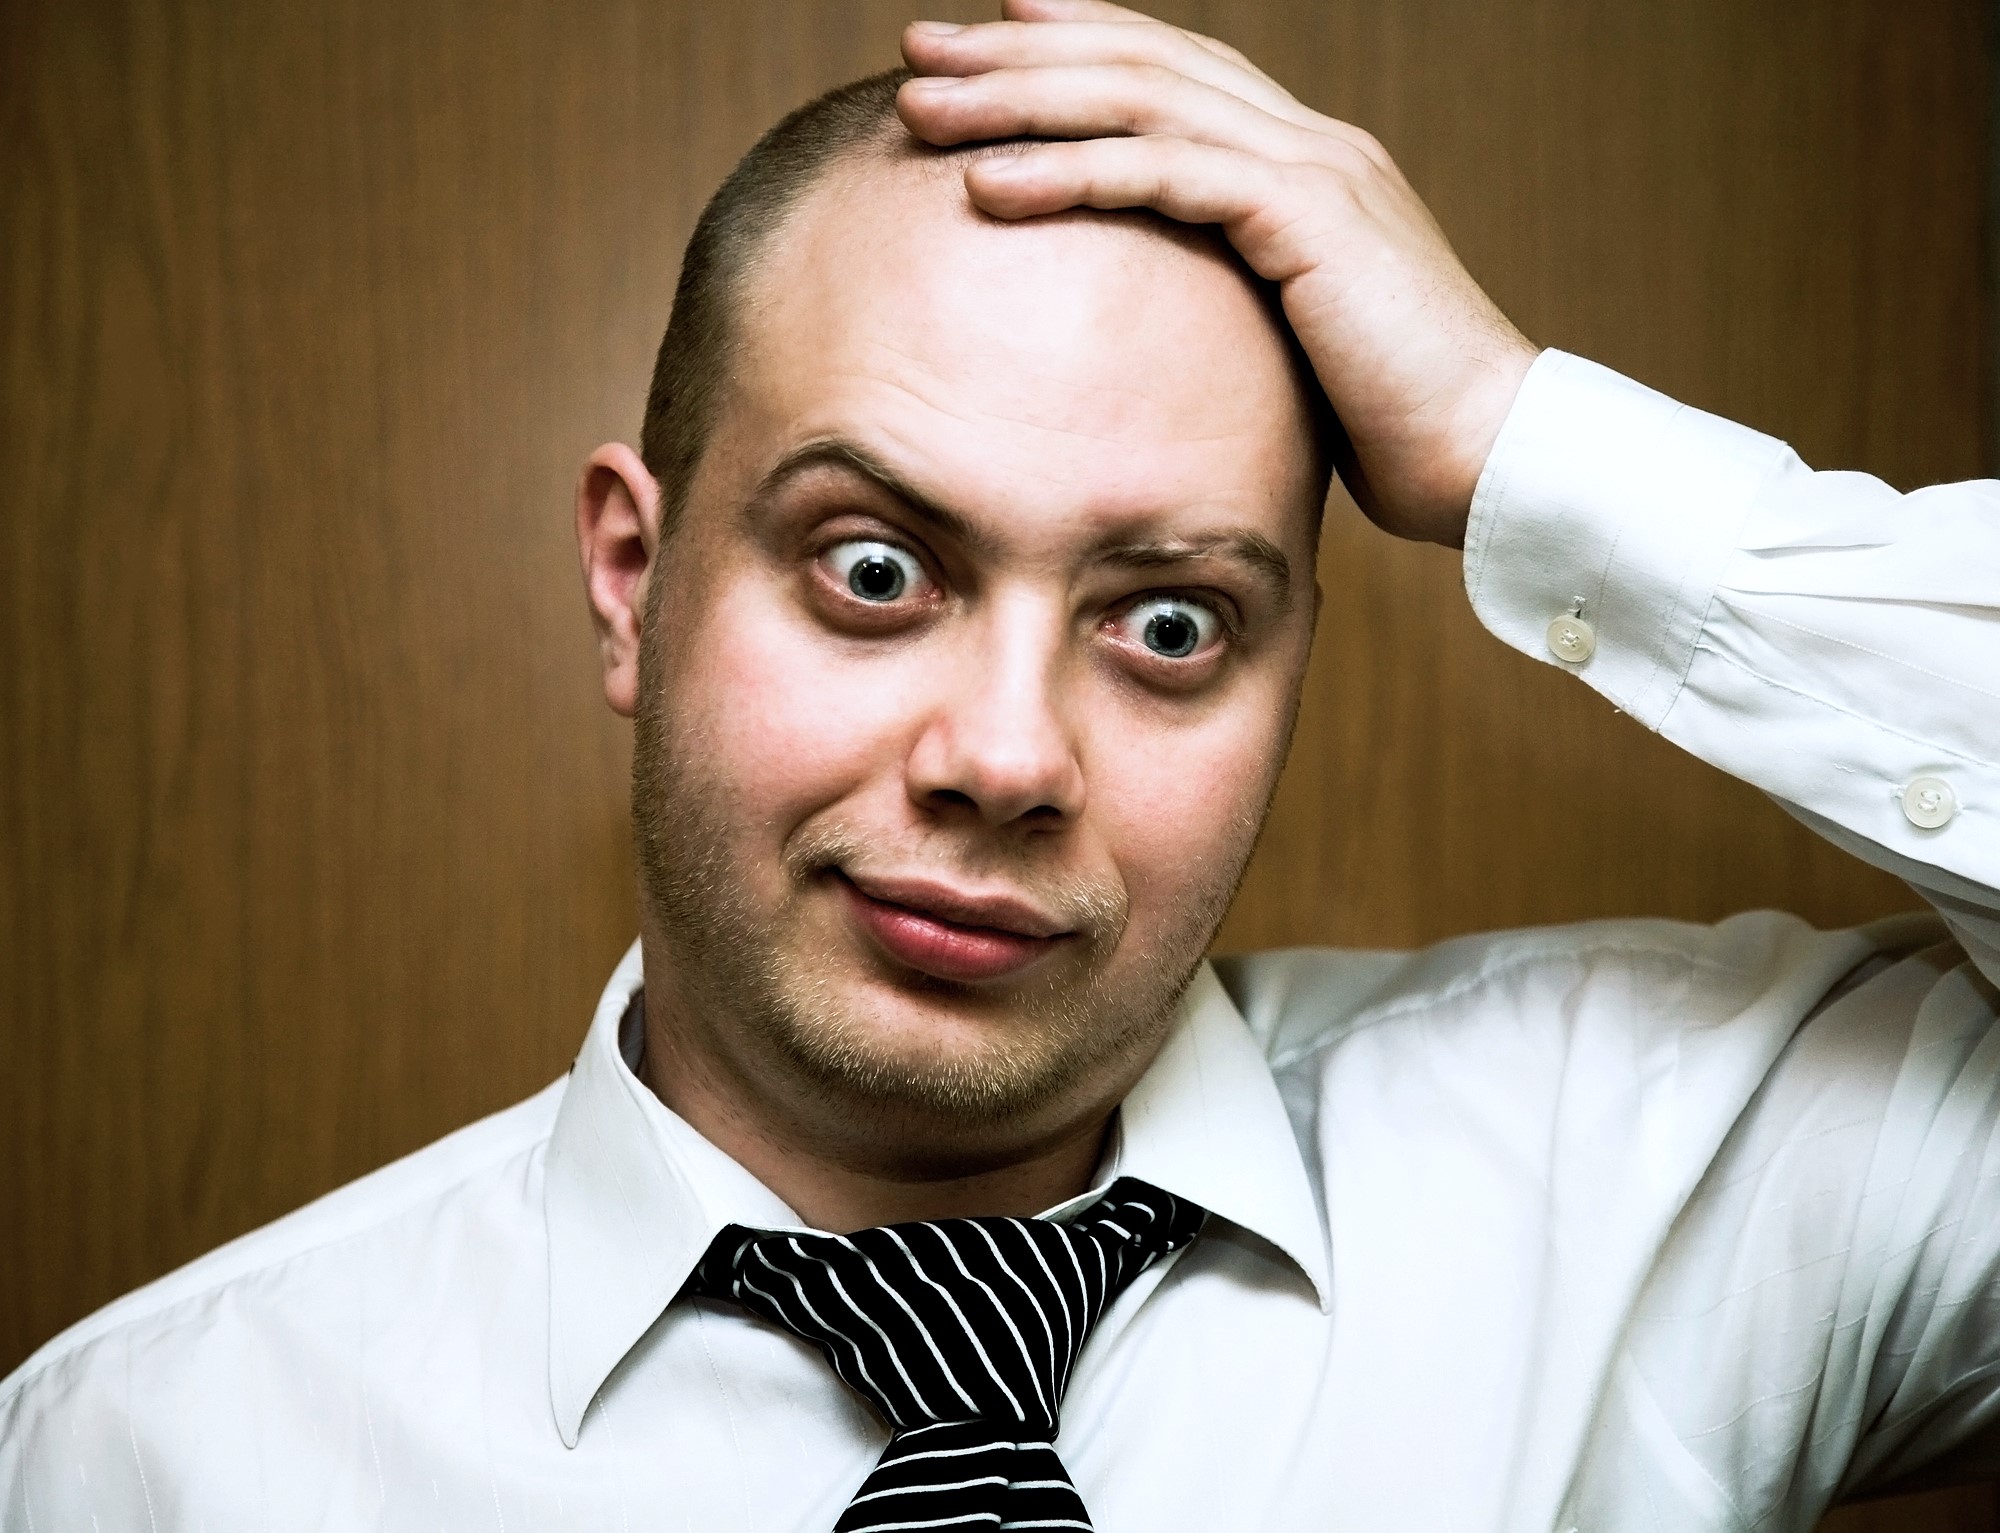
{"x":312,"y":826}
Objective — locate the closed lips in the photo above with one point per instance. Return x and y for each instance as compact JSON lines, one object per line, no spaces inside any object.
{"x":948,"y":934}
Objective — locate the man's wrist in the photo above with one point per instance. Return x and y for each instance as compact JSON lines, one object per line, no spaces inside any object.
{"x":1481,"y":417}
{"x":1601,"y":523}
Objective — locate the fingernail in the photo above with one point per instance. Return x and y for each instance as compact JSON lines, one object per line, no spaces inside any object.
{"x":936,"y":28}
{"x":936,"y":82}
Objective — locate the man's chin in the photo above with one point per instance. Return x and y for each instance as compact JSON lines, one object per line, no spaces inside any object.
{"x":940,"y":1049}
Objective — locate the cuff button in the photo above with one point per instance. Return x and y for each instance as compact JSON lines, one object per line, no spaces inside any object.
{"x":1928,"y":802}
{"x":1572,"y":639}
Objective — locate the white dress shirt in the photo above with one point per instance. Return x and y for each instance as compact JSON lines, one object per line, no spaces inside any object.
{"x":1626,"y":1225}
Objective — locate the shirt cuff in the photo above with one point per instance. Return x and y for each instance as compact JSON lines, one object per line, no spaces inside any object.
{"x":1601,"y":524}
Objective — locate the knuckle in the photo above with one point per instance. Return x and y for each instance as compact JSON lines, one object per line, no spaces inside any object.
{"x":1149,"y":90}
{"x":1351,"y":160}
{"x":1153,"y":76}
{"x":1370,"y":148}
{"x":1324,"y":185}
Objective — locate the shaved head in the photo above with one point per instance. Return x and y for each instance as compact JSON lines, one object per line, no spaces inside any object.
{"x":734,"y":239}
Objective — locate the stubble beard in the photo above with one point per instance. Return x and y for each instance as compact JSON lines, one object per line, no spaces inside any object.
{"x":745,"y":971}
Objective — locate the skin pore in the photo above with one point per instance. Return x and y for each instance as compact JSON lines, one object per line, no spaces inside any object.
{"x":961,"y":687}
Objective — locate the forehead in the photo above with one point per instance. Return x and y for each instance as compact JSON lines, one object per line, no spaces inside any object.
{"x":1114,"y":355}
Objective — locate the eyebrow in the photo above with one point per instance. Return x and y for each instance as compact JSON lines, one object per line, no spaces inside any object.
{"x":832,"y":452}
{"x":1264,"y":558}
{"x":1259,"y":554}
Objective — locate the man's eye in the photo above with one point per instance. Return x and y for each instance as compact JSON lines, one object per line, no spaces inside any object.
{"x":1171,"y":626}
{"x":877,"y":572}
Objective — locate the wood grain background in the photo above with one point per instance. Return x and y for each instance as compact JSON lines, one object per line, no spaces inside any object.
{"x":312,"y":826}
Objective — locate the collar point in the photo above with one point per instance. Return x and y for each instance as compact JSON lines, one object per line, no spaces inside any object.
{"x":569,"y":1423}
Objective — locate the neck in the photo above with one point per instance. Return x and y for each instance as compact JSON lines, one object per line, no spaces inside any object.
{"x":851,"y":1182}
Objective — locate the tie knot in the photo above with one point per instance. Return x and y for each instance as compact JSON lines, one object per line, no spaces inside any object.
{"x":953,"y":1320}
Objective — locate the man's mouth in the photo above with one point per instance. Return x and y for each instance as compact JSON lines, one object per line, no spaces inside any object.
{"x":946,"y":932}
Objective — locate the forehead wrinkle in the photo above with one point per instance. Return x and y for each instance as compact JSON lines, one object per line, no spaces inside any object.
{"x":1050,"y":382}
{"x":1044,"y":468}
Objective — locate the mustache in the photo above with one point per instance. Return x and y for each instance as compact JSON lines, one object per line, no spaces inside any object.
{"x":1095,"y":909}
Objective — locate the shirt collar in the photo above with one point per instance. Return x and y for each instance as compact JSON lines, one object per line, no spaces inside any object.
{"x":1206,"y":1123}
{"x":634,"y":1194}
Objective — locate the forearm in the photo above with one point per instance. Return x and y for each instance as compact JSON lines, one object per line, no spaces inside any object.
{"x":1817,"y":634}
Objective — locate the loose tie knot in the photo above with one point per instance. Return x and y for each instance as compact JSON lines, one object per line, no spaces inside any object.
{"x":962,"y":1333}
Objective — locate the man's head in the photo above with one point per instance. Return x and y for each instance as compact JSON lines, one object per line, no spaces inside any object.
{"x":962,"y":601}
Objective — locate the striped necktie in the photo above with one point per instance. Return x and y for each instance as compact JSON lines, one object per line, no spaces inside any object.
{"x":962,"y":1333}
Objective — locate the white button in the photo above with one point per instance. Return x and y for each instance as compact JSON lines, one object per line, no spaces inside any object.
{"x":1572,"y":639}
{"x":1928,"y":802}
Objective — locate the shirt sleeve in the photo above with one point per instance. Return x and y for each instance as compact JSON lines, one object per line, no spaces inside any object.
{"x":1825,"y":1317}
{"x":1820,"y":635}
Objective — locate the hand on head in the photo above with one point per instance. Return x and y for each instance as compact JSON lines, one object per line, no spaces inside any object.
{"x":1418,"y":362}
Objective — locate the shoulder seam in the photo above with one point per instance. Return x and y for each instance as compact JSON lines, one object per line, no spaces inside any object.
{"x":1492,"y":968}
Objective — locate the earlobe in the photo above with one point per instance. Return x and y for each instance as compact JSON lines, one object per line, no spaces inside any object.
{"x":617,"y":534}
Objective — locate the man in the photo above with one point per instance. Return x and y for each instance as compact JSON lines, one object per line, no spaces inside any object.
{"x":962,"y":596}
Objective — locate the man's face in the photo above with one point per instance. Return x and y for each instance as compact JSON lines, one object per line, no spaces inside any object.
{"x":970,"y":665}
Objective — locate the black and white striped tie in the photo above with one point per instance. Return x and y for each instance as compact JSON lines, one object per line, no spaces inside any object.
{"x":962,"y":1333}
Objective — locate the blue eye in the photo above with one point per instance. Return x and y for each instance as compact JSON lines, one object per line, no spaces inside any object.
{"x":1171,"y":626}
{"x":875,"y":572}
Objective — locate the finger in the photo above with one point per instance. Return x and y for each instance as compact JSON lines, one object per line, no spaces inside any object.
{"x":1096,"y":101}
{"x":1019,"y":44}
{"x":1104,"y":11}
{"x":1188,"y":182}
{"x":1073,"y":10}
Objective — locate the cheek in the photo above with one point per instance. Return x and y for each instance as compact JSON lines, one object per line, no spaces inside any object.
{"x":770,"y":710}
{"x":1179,"y":803}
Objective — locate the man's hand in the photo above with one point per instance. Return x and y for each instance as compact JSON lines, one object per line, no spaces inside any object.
{"x":1418,"y":362}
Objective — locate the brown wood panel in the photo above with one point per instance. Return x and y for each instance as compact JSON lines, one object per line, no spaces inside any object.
{"x":312,"y":839}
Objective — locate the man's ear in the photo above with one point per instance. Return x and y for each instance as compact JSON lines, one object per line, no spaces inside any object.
{"x":617,"y":537}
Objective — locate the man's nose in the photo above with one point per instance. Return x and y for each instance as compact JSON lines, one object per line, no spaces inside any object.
{"x":999,"y":744}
